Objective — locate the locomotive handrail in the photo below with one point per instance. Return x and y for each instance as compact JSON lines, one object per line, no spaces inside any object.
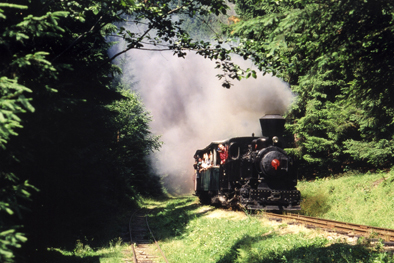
{"x":231,"y":151}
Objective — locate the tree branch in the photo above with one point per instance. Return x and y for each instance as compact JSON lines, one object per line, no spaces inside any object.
{"x":77,"y":39}
{"x":141,"y":37}
{"x":127,"y":49}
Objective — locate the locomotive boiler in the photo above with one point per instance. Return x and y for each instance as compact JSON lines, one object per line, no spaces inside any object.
{"x":251,"y":172}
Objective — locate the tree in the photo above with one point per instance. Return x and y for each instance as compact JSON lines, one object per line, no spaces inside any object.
{"x":60,"y":111}
{"x":336,"y":56}
{"x":133,"y":145}
{"x":13,"y":102}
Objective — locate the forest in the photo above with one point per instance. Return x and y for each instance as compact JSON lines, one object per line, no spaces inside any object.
{"x":336,"y":56}
{"x":74,"y":137}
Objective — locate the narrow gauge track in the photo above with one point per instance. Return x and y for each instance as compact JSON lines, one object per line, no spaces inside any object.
{"x":139,"y":238}
{"x":349,"y":229}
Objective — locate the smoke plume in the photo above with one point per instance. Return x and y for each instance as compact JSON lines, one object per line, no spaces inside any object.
{"x":190,"y":108}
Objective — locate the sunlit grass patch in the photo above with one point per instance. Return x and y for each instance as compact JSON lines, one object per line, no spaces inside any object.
{"x":315,"y":204}
{"x":209,"y":239}
{"x":193,"y":233}
{"x":253,"y":240}
{"x":116,"y":251}
{"x":357,"y":198}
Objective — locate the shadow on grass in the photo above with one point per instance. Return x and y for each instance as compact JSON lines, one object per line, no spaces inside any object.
{"x":246,"y":250}
{"x":96,"y":230}
{"x":170,"y":221}
{"x":244,"y":242}
{"x":55,"y":256}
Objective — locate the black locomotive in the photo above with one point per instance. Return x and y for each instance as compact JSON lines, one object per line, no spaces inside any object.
{"x":256,"y":173}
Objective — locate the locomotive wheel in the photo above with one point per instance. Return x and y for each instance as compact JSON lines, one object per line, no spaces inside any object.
{"x":205,"y":199}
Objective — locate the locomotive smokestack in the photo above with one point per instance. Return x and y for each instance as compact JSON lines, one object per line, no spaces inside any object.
{"x":272,"y":125}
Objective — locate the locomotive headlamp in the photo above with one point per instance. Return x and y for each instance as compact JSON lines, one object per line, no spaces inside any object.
{"x":275,"y":163}
{"x":275,"y":139}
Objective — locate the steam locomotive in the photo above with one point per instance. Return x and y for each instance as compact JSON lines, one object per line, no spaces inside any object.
{"x":257,"y":173}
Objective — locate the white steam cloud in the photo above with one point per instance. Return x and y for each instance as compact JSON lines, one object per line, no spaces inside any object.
{"x":190,"y":108}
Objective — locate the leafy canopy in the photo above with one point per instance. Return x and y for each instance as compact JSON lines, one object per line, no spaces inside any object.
{"x":337,"y":57}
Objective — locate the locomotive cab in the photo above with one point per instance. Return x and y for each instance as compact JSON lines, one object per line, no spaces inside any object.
{"x":207,"y":176}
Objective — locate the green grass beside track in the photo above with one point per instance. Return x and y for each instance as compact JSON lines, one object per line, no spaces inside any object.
{"x":192,"y":233}
{"x":188,"y":232}
{"x":366,"y":199}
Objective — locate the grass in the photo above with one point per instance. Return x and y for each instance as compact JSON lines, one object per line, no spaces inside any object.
{"x":104,"y":245}
{"x":192,"y":233}
{"x":115,"y":252}
{"x":189,"y":232}
{"x":357,"y":198}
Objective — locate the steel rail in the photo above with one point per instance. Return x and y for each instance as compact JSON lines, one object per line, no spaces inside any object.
{"x":133,"y":244}
{"x":157,"y":244}
{"x":131,"y":238}
{"x":340,"y":227}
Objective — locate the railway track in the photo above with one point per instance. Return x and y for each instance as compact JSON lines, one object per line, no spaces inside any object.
{"x":349,"y":229}
{"x":141,"y":238}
